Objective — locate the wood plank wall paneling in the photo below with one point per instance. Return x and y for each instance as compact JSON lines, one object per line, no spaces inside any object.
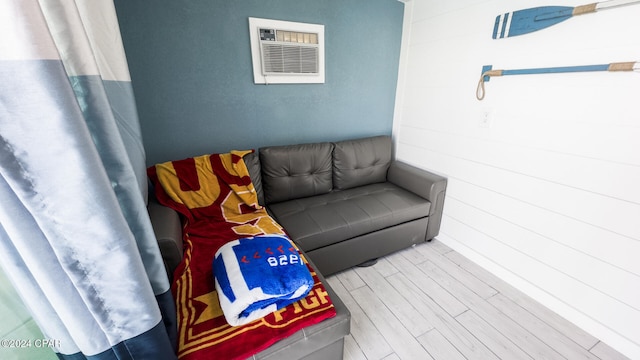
{"x":547,"y":195}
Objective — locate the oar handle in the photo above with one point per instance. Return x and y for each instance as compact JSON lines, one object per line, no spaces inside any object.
{"x":624,"y":66}
{"x":584,"y":9}
{"x":492,"y":73}
{"x":614,"y":3}
{"x":590,"y":8}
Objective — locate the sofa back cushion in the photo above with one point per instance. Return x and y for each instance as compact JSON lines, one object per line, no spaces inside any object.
{"x":295,"y":171}
{"x":361,"y":161}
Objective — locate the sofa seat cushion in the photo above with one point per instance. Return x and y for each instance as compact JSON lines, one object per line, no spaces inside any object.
{"x":326,"y":219}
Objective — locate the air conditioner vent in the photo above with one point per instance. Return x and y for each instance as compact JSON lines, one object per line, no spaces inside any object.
{"x":289,"y":59}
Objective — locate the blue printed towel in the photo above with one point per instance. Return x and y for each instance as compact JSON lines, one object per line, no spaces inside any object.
{"x":257,"y":276}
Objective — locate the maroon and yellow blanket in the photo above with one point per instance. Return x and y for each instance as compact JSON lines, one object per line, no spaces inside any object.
{"x":215,"y":195}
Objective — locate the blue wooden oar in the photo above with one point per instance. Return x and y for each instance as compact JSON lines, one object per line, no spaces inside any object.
{"x":529,"y":20}
{"x":487,"y":72}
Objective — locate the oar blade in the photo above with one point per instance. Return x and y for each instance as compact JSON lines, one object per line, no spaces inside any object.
{"x":529,"y":20}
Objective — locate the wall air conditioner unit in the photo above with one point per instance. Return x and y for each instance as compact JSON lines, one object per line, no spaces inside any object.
{"x":284,"y":52}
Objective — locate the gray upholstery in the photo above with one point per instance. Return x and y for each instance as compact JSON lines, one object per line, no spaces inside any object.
{"x":252,"y":161}
{"x":425,"y":184}
{"x":327,"y":219}
{"x":372,"y":207}
{"x":343,"y":255}
{"x":168,"y":230}
{"x":361,"y":161}
{"x":324,"y":340}
{"x":290,"y":172}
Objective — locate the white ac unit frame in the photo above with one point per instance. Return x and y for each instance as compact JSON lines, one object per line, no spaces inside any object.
{"x":260,"y":76}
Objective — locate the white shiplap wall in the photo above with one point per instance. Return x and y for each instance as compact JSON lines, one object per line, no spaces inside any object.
{"x":548,"y":196}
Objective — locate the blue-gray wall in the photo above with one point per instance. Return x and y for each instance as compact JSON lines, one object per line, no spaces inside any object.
{"x":190,"y":64}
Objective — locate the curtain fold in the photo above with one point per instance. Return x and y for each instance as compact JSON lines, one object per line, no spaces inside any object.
{"x":75,"y":236}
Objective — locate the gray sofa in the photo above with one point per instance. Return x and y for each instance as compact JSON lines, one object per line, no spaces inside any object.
{"x":345,"y":203}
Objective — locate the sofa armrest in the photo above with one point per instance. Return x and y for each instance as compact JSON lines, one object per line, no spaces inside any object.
{"x":168,"y":230}
{"x":424,"y":184}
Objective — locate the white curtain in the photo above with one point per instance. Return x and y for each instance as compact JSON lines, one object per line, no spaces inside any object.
{"x":75,"y":236}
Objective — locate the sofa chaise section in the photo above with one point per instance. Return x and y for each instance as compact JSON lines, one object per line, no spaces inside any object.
{"x":321,"y":341}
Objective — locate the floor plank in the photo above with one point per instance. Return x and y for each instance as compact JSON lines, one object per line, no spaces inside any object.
{"x":439,"y":347}
{"x":429,"y":301}
{"x":493,"y":339}
{"x":473,"y":283}
{"x":570,"y":330}
{"x":350,"y":280}
{"x":604,"y":351}
{"x":549,"y":335}
{"x":392,"y":357}
{"x":503,"y":324}
{"x":400,"y":339}
{"x":451,"y":329}
{"x":364,"y":332}
{"x":395,"y":302}
{"x":385,"y":267}
{"x":439,"y":294}
{"x":352,"y":349}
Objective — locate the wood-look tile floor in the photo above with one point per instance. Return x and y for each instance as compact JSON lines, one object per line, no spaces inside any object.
{"x":430,"y":302}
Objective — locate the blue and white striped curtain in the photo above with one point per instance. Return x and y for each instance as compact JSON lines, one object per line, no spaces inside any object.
{"x":75,"y":236}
